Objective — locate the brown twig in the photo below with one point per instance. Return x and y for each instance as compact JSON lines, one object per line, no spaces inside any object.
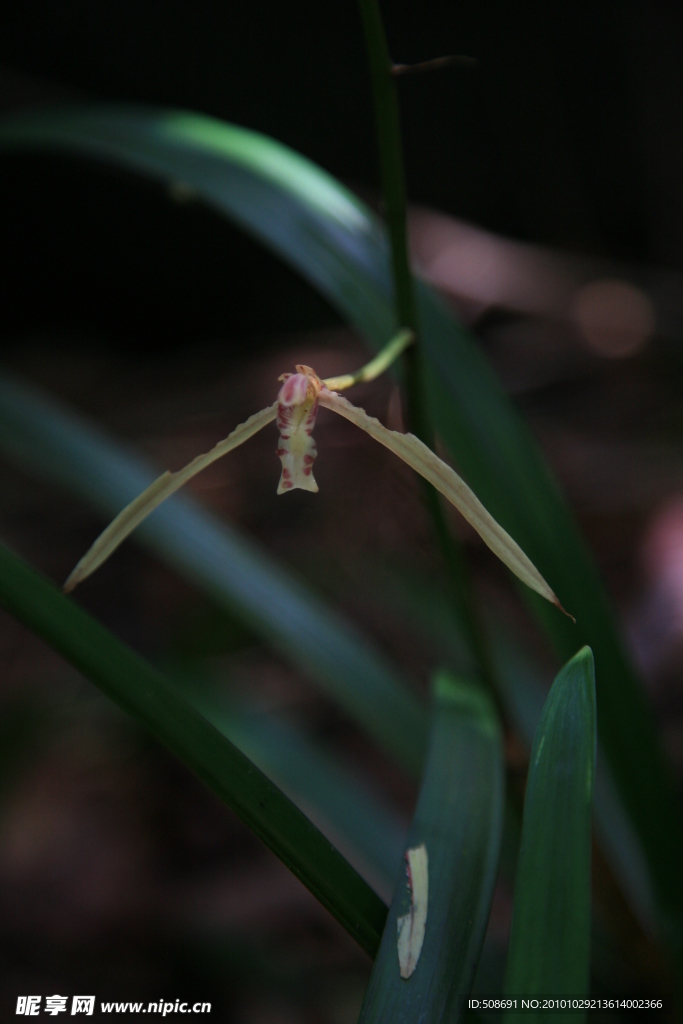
{"x":435,"y":64}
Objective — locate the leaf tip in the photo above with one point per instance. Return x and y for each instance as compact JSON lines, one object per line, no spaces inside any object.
{"x":451,"y":691}
{"x":584,"y":655}
{"x":564,"y":611}
{"x":71,"y":582}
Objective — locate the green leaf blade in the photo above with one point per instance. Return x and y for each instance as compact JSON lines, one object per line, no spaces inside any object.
{"x":459,"y":819}
{"x":550,"y":936}
{"x":523,"y":696}
{"x":292,"y":206}
{"x":154,"y":703}
{"x":319,"y":228}
{"x":360,"y":823}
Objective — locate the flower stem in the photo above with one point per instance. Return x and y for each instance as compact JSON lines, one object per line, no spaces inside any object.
{"x":382,"y":361}
{"x":392,"y":177}
{"x":390,"y":158}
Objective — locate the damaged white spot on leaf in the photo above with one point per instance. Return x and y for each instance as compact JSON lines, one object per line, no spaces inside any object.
{"x":411,"y":927}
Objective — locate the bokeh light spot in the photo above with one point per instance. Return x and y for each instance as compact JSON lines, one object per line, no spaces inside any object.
{"x":615,"y":318}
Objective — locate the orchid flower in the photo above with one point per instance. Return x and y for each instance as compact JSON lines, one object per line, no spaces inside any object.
{"x":295,"y":410}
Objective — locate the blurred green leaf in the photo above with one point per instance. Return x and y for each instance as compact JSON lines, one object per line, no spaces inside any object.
{"x":459,"y":818}
{"x":523,"y":697}
{"x":550,"y":934}
{"x":35,"y":432}
{"x":154,"y":703}
{"x":499,"y":460}
{"x":320,"y":228}
{"x":422,"y":607}
{"x":341,"y":803}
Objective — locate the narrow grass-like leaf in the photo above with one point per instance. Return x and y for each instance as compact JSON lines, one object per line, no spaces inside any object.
{"x":550,"y":935}
{"x":424,"y":607}
{"x":497,"y":456}
{"x":459,"y":820}
{"x":340,"y":802}
{"x":38,"y":434}
{"x":320,"y":228}
{"x":155,"y":704}
{"x":523,"y":696}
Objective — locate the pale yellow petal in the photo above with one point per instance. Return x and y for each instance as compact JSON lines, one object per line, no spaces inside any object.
{"x":163,"y":487}
{"x":420,"y":458}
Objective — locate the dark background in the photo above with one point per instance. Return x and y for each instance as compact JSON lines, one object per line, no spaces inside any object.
{"x":566,"y":133}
